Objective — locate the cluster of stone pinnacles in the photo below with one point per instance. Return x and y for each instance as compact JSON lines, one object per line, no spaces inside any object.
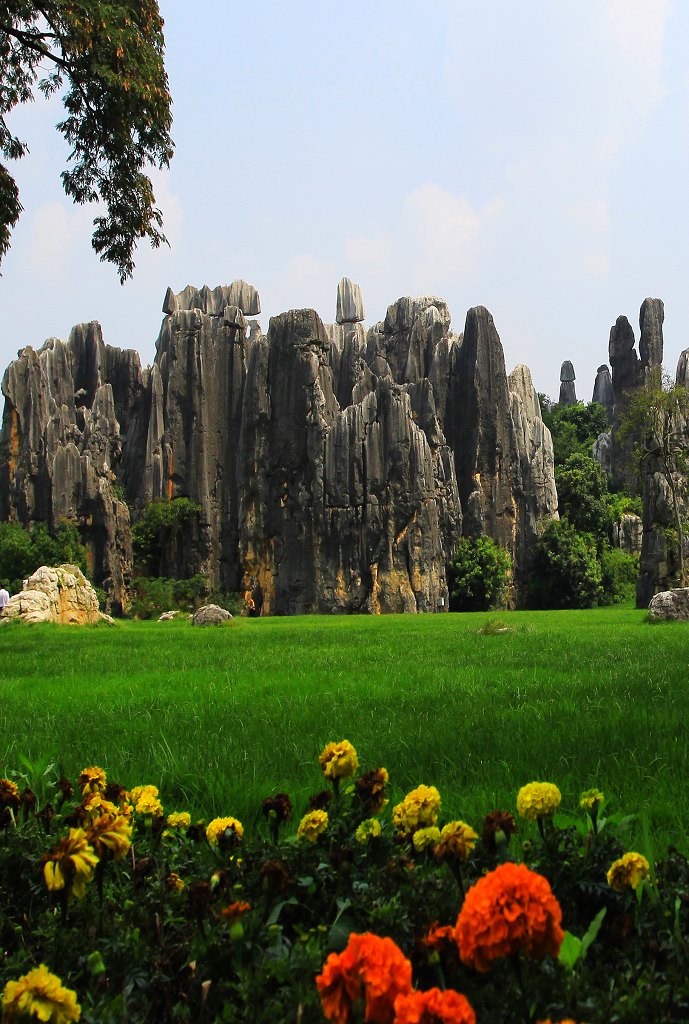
{"x":335,"y":467}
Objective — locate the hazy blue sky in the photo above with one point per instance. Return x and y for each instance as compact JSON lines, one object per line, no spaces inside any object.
{"x":529,"y":157}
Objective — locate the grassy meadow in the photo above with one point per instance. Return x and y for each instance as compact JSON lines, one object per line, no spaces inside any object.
{"x":218,"y":718}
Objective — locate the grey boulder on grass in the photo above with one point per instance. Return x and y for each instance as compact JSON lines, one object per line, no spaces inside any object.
{"x":210,"y":615}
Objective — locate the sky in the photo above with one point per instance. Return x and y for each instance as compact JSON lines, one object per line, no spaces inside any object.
{"x":532,"y":158}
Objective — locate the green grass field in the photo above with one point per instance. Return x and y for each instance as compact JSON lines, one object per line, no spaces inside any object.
{"x":221,"y":717}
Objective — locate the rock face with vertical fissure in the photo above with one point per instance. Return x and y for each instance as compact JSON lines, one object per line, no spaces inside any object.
{"x":334,"y":467}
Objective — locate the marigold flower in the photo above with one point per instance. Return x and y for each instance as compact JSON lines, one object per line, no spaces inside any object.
{"x":538,"y":800}
{"x":218,"y":828}
{"x":234,"y":911}
{"x":439,"y":935}
{"x":339,"y":760}
{"x":457,"y":840}
{"x":498,"y":826}
{"x":278,"y":807}
{"x":110,"y":837}
{"x":628,"y":872}
{"x":370,"y":790}
{"x":94,"y":805}
{"x":147,"y":803}
{"x":419,"y":809}
{"x":568,"y":1020}
{"x":425,"y":837}
{"x":509,"y":910}
{"x":368,"y":830}
{"x":591,"y":800}
{"x":39,"y":995}
{"x":371,"y":968}
{"x":139,"y":791}
{"x":179,"y":819}
{"x":312,"y":825}
{"x":92,"y":780}
{"x":174,"y":883}
{"x":9,"y":794}
{"x":434,"y":1007}
{"x":71,"y":864}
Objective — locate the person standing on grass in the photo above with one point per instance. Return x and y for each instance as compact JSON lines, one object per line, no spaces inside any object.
{"x":4,"y":598}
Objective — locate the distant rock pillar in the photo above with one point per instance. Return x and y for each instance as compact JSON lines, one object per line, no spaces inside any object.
{"x":568,"y":394}
{"x":602,"y":390}
{"x":350,"y":307}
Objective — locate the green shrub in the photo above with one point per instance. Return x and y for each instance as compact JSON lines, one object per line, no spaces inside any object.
{"x":22,"y":551}
{"x":582,"y":495}
{"x":479,"y":577}
{"x":565,"y":572}
{"x":150,"y":596}
{"x":619,"y":572}
{"x":159,"y":522}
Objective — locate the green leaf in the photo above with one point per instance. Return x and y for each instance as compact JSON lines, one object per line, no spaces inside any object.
{"x":570,"y":951}
{"x":592,"y":931}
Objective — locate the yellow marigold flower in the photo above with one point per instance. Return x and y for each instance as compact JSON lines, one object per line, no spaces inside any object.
{"x":456,"y":842}
{"x":110,"y":837}
{"x":591,"y":800}
{"x":538,"y":800}
{"x":628,"y":872}
{"x":339,"y":760}
{"x":219,"y":826}
{"x":39,"y":995}
{"x":173,"y":883}
{"x":147,"y":803}
{"x":424,"y":837}
{"x":368,"y":830}
{"x":180,"y":820}
{"x":92,"y":780}
{"x":71,"y":864}
{"x":312,"y":825}
{"x":139,"y":791}
{"x":94,"y":805}
{"x":419,"y":809}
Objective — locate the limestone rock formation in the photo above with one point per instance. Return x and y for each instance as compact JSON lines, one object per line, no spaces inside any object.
{"x":350,"y":307}
{"x":670,"y":605}
{"x":628,"y":533}
{"x":334,"y":468}
{"x":61,"y":594}
{"x":602,"y":390}
{"x":568,"y":393}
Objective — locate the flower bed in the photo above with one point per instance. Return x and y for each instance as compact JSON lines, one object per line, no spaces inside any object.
{"x":114,"y":908}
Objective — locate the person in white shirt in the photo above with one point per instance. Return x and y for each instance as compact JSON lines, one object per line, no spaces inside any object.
{"x":4,"y":598}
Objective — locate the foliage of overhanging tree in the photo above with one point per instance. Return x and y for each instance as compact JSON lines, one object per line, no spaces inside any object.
{"x":108,"y":58}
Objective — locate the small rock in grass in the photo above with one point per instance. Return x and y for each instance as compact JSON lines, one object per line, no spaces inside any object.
{"x":210,"y":615}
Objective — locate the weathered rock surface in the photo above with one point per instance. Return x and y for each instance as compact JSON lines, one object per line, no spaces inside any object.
{"x":335,"y":468}
{"x":61,"y":594}
{"x":628,"y":533}
{"x":568,"y":392}
{"x":350,"y":307}
{"x":602,"y":390}
{"x":670,"y":605}
{"x":210,"y":615}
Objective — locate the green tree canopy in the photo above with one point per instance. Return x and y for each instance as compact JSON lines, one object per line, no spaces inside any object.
{"x":23,"y":551}
{"x":108,"y":56}
{"x":574,"y":428}
{"x":582,"y":495}
{"x":479,"y":576}
{"x":565,"y":572}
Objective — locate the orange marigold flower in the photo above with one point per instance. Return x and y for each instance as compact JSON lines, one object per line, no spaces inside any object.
{"x":434,"y":1007}
{"x":9,"y":794}
{"x":110,"y":837}
{"x":370,"y":968}
{"x":509,"y":910}
{"x":438,"y":935}
{"x":567,"y":1020}
{"x":234,"y":910}
{"x":456,"y":842}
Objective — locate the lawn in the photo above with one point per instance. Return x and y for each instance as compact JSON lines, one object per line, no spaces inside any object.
{"x":218,"y":718}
